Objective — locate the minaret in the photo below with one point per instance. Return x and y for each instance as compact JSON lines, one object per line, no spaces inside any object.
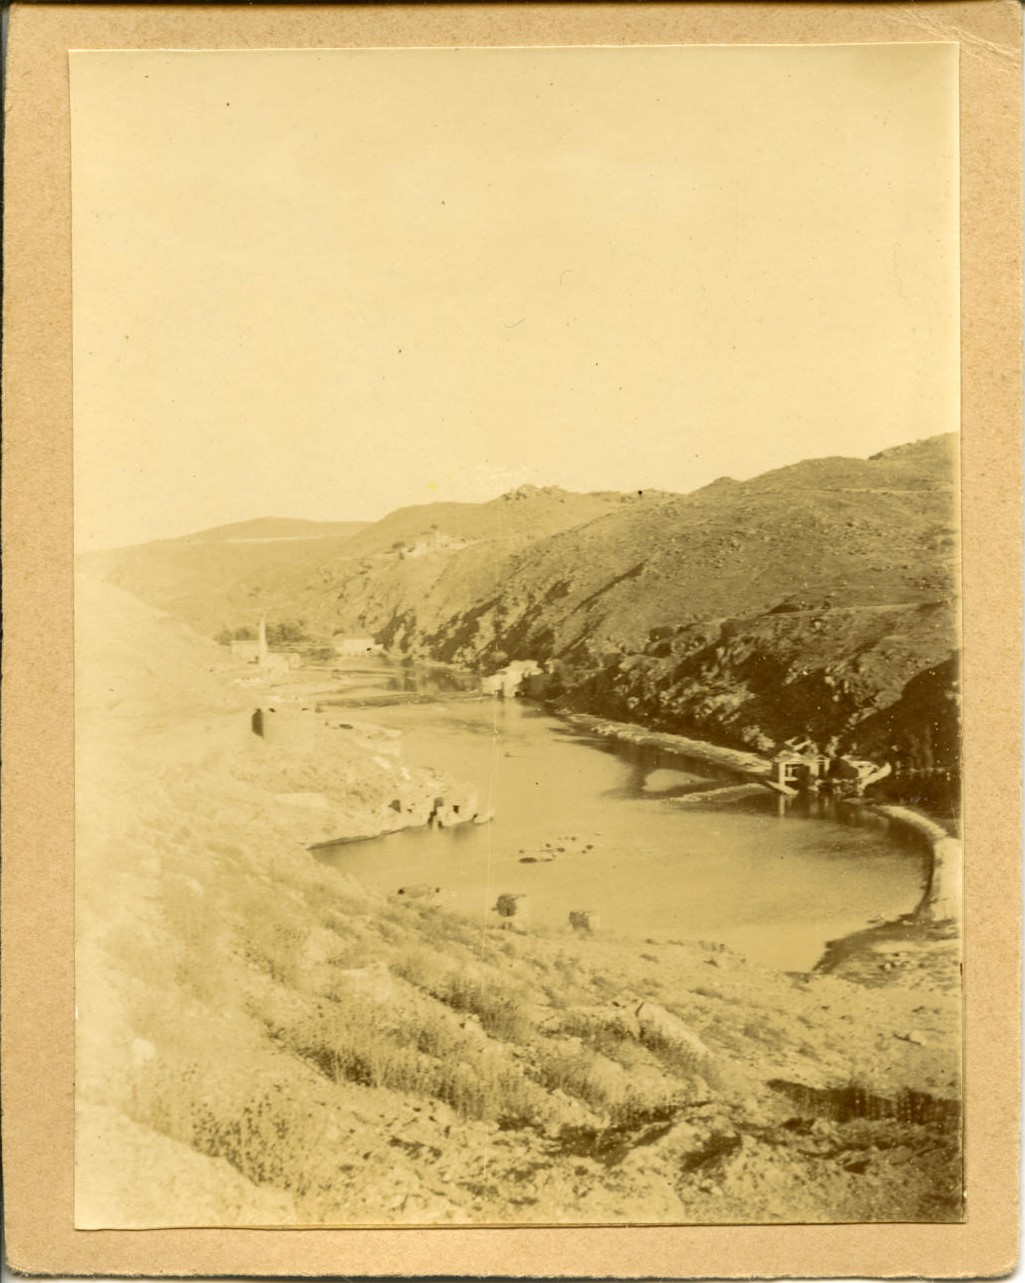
{"x":261,"y":653}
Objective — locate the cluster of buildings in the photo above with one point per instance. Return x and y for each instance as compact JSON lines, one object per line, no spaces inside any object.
{"x":800,"y":767}
{"x":517,"y":678}
{"x":256,"y":651}
{"x":432,"y":541}
{"x":351,"y":647}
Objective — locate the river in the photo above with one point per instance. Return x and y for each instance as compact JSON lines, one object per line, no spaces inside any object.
{"x":774,"y":888}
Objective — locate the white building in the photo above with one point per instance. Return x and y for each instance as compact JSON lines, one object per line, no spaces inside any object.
{"x":353,"y":646}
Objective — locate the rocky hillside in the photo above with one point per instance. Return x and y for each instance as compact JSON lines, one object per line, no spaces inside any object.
{"x":879,"y":681}
{"x":818,"y":598}
{"x":826,"y":533}
{"x":443,"y":556}
{"x":265,"y":1042}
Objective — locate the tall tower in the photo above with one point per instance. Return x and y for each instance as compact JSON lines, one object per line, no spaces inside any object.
{"x":262,"y":645}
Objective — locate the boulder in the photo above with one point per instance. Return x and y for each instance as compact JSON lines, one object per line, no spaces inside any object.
{"x":419,"y":891}
{"x":657,"y":1023}
{"x":510,"y":905}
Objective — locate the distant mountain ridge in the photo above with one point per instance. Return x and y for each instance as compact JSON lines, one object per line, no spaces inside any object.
{"x":529,"y":512}
{"x":808,"y":597}
{"x":285,"y":567}
{"x":850,"y":532}
{"x":259,"y":528}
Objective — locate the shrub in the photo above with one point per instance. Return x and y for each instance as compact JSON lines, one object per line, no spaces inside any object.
{"x":419,"y":1052}
{"x":421,"y":967}
{"x":500,"y":1011}
{"x":578,"y":1074}
{"x":286,"y":631}
{"x":227,"y":635}
{"x":499,"y":1008}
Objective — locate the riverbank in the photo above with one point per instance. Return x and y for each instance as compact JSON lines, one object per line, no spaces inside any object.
{"x":914,"y":953}
{"x":736,"y":761}
{"x":269,"y":1042}
{"x":942,"y":897}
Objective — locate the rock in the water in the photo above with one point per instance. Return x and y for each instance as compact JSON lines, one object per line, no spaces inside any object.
{"x":419,"y":891}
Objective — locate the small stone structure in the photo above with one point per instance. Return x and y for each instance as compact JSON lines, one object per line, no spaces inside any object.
{"x":246,"y":649}
{"x":584,"y":920}
{"x":294,"y":728}
{"x":509,"y":681}
{"x":458,"y":806}
{"x":857,"y":773}
{"x":793,"y":769}
{"x":800,"y":767}
{"x":513,"y":909}
{"x":351,"y":647}
{"x":432,"y":540}
{"x":256,"y":651}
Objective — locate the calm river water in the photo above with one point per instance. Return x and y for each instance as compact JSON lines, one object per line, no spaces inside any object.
{"x":774,"y":888}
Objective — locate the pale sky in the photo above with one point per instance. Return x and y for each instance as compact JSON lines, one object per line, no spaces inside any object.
{"x":326,"y":284}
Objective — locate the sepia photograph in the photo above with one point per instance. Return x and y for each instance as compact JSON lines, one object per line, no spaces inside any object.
{"x":517,"y":636}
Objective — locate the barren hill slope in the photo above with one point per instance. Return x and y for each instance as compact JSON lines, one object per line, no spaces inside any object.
{"x":818,"y":599}
{"x":840,"y":532}
{"x":267,"y":1043}
{"x":211,"y":582}
{"x":529,"y":512}
{"x":356,"y":580}
{"x":812,"y":599}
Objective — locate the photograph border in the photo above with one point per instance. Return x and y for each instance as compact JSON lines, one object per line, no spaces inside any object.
{"x":38,"y":666}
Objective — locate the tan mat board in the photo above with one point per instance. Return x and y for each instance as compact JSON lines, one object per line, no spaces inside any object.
{"x":38,"y":827}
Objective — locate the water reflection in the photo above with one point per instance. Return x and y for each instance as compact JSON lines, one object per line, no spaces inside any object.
{"x":381,"y":682}
{"x":630,"y":852}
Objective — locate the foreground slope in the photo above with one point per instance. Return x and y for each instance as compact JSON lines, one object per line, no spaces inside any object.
{"x":273,"y":1045}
